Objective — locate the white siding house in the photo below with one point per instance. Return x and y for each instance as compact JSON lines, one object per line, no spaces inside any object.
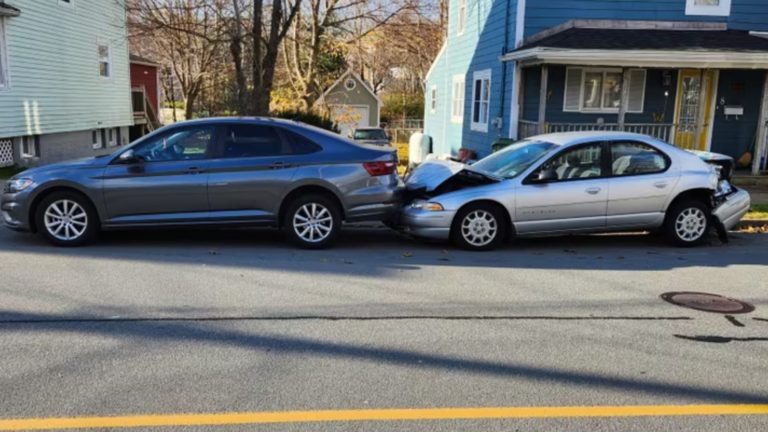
{"x":64,"y":79}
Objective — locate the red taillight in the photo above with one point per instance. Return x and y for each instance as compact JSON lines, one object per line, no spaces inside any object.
{"x":380,"y":168}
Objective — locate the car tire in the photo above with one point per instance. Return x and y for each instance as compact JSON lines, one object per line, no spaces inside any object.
{"x":312,"y":221}
{"x":688,"y":223}
{"x":67,"y":219}
{"x":479,"y":227}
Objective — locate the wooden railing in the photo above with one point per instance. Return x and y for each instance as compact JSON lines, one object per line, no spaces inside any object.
{"x":661,"y":131}
{"x":143,"y":111}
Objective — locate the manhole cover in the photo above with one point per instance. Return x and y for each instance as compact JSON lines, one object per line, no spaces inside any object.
{"x":708,"y":302}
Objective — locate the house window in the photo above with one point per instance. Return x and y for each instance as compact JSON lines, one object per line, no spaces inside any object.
{"x":708,"y":7}
{"x":481,"y":98}
{"x":457,"y":102}
{"x":462,"y":17}
{"x":30,"y":146}
{"x":96,"y":141}
{"x":105,"y":61}
{"x":599,"y":90}
{"x":4,"y":82}
{"x":112,"y":136}
{"x":433,"y":99}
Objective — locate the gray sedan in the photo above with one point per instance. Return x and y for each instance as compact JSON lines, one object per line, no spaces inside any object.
{"x":573,"y":182}
{"x":225,"y":171}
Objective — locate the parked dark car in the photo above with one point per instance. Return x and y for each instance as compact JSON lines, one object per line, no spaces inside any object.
{"x":221,"y":171}
{"x":371,"y":135}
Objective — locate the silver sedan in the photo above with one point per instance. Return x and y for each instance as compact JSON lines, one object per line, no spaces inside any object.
{"x":573,"y":183}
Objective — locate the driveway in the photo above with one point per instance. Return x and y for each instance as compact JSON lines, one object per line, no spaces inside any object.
{"x":223,"y":322}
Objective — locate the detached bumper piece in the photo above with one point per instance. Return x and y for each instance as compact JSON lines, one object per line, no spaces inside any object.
{"x":731,"y":209}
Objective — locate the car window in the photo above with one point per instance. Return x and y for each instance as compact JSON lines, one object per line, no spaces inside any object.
{"x":252,"y":140}
{"x":370,"y":134}
{"x":578,"y":163}
{"x":513,"y":159}
{"x":300,"y":144}
{"x":185,"y":144}
{"x":630,"y":158}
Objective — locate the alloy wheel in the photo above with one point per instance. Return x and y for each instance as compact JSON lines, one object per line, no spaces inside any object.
{"x":65,"y":220}
{"x":479,"y":228}
{"x":313,"y":222}
{"x":691,"y":224}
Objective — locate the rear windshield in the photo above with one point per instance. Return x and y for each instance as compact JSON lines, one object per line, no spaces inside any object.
{"x":370,"y":134}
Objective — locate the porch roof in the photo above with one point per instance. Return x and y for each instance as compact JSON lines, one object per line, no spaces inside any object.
{"x":721,"y":49}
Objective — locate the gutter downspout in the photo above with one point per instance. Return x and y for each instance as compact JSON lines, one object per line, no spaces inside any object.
{"x":504,"y":50}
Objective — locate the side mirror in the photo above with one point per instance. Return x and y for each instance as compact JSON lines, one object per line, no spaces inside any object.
{"x":128,"y":157}
{"x":545,"y":176}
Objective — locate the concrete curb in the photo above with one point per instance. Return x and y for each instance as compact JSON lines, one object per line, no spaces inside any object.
{"x":757,"y":223}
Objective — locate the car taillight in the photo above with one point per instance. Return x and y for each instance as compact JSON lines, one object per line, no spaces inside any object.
{"x":380,"y":168}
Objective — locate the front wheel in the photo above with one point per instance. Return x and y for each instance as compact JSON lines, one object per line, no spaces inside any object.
{"x":688,"y":223}
{"x":67,"y":219}
{"x":312,"y":221}
{"x":479,"y":227}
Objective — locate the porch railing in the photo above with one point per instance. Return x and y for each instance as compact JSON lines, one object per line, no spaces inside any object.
{"x":661,"y":131}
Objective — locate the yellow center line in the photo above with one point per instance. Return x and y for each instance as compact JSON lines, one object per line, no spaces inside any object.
{"x":405,"y":414}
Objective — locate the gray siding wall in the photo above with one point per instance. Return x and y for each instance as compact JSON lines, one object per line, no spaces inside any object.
{"x":58,"y":147}
{"x":53,"y":66}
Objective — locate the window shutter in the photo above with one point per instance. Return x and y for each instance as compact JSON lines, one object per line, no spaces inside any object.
{"x":636,"y":90}
{"x":572,"y":89}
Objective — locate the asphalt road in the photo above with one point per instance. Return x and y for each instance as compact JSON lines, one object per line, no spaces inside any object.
{"x":237,"y":321}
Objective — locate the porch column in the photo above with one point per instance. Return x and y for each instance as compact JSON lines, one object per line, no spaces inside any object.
{"x":517,"y":102}
{"x":762,"y":130}
{"x":543,"y":99}
{"x":624,"y":104}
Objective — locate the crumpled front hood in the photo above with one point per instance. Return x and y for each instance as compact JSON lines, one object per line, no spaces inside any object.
{"x":429,"y":175}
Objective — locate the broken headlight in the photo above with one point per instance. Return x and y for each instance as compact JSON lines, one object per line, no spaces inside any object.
{"x":723,"y":188}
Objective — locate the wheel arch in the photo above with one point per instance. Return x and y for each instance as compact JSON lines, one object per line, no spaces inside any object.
{"x":307,"y":189}
{"x":487,"y":201}
{"x":40,"y":196}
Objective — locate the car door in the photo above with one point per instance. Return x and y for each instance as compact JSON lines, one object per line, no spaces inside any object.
{"x":166,"y":181}
{"x":575,"y":200}
{"x":640,"y":184}
{"x":255,"y":167}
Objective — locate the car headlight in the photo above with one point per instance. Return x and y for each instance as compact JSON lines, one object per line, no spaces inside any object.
{"x":427,"y":206}
{"x":18,"y":185}
{"x":723,"y":188}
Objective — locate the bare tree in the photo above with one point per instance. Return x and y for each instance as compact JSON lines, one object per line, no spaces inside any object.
{"x":319,"y":22}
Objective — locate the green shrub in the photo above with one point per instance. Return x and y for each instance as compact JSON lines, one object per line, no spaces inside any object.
{"x":308,"y":118}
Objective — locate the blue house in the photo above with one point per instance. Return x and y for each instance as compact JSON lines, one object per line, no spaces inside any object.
{"x":691,"y":72}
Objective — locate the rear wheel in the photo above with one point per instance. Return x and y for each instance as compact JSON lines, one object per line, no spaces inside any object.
{"x":688,"y":223}
{"x":67,"y":219}
{"x":312,"y":221}
{"x":479,"y":227}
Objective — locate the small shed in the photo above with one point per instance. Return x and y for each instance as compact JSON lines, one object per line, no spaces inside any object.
{"x":145,"y":90}
{"x":351,"y":103}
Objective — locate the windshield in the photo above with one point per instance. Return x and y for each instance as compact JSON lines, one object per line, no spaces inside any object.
{"x":513,"y":160}
{"x":370,"y":134}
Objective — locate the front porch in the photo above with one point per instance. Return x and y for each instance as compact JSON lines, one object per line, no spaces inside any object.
{"x":707,"y":99}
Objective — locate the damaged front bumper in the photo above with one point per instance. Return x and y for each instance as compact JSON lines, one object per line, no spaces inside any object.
{"x":434,"y":225}
{"x":732,"y":208}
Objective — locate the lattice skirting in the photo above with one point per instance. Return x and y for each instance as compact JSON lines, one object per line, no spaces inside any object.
{"x":6,"y":152}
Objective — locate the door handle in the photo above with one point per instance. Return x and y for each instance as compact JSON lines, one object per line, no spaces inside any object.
{"x":660,"y":184}
{"x":279,"y":165}
{"x":194,"y":170}
{"x":593,"y":190}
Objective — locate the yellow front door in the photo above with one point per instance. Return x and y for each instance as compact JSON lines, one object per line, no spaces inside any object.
{"x":693,"y":112}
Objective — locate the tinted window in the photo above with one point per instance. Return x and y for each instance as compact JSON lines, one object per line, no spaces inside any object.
{"x":630,"y":158}
{"x":370,"y":134}
{"x":578,"y":163}
{"x":300,"y":144}
{"x":251,"y":140}
{"x":185,"y":144}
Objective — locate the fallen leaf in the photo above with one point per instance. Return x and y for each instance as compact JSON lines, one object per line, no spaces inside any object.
{"x":407,"y":254}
